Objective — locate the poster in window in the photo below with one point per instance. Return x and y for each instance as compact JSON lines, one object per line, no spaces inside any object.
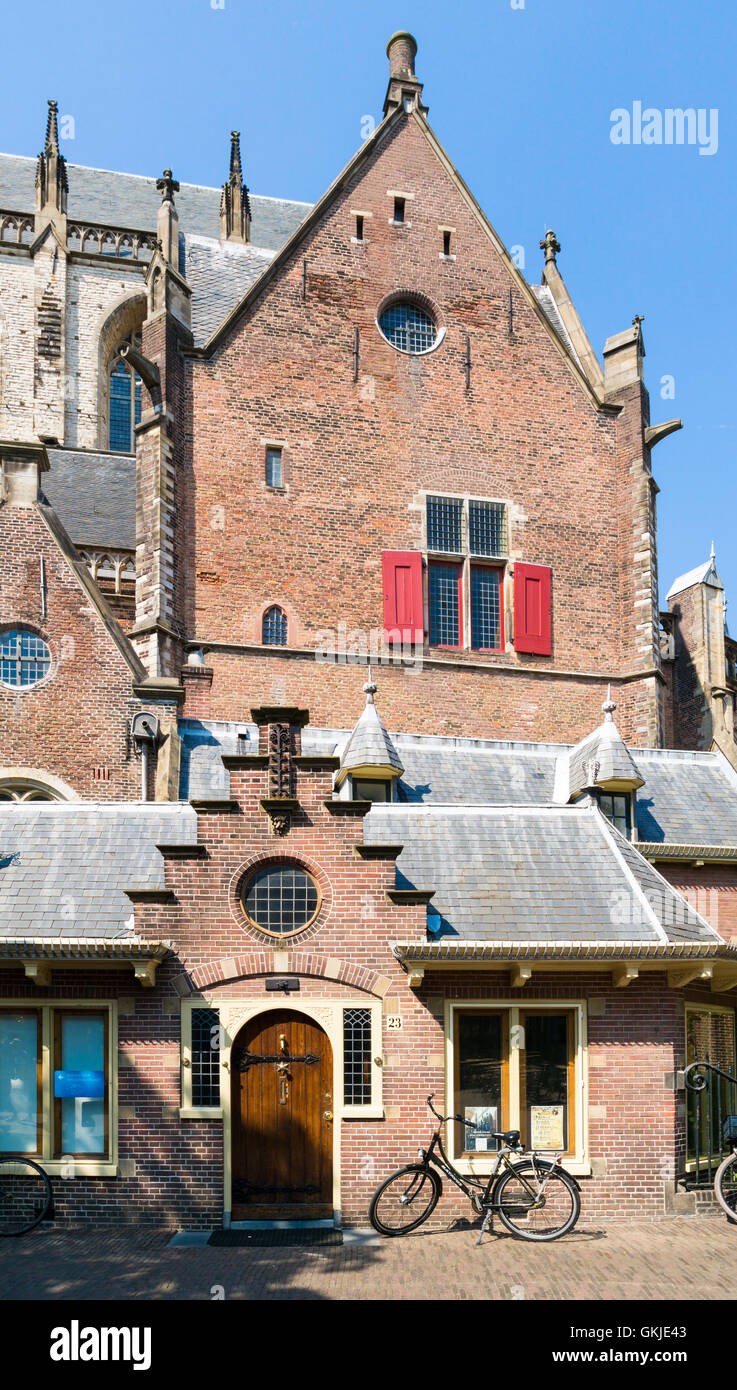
{"x":546,"y":1127}
{"x":484,"y":1121}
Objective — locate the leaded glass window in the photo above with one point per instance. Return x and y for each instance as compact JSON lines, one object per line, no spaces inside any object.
{"x":281,"y":899}
{"x":445,"y":524}
{"x":274,"y":627}
{"x":407,"y":327}
{"x":486,"y":609}
{"x":445,"y":620}
{"x":125,"y":404}
{"x":486,"y":527}
{"x":24,"y":658}
{"x":205,"y":1057}
{"x":357,"y":1056}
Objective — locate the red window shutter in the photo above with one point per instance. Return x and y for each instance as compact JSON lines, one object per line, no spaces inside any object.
{"x":532,"y":595}
{"x":403,"y":603}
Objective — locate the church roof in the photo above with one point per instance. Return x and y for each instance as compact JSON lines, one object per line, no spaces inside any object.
{"x":132,"y":201}
{"x":94,"y":494}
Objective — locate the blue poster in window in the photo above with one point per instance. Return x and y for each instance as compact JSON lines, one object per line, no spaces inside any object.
{"x":79,"y":1085}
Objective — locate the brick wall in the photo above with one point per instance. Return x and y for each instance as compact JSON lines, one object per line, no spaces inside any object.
{"x":359,"y":454}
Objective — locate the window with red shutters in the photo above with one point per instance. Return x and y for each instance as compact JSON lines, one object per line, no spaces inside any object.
{"x":532,"y":600}
{"x":403,"y":598}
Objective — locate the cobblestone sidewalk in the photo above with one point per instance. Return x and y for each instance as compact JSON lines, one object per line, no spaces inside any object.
{"x":678,"y":1258}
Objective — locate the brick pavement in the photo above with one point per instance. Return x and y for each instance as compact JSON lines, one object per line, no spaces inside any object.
{"x":678,"y":1258}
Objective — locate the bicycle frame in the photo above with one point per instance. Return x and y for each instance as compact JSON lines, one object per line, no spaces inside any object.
{"x":472,"y":1187}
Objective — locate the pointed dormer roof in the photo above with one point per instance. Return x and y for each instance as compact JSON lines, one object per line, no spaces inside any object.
{"x":602,"y":759}
{"x":369,"y":750}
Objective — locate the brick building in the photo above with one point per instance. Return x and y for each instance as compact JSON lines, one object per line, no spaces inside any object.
{"x":251,"y":449}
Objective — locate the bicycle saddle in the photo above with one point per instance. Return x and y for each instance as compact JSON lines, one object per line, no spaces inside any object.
{"x":510,"y":1136}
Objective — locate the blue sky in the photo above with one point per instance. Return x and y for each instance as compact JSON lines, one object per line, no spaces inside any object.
{"x":521,"y":98}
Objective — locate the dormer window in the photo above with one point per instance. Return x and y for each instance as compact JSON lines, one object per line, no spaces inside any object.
{"x":370,"y":789}
{"x":617,"y":807}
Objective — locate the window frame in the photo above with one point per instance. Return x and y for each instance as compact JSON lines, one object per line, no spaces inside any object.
{"x":447,"y":563}
{"x":85,"y":1165}
{"x":24,"y":630}
{"x":275,"y":608}
{"x":58,"y":1152}
{"x":577,"y":1158}
{"x":188,"y":1110}
{"x":283,"y":864}
{"x":468,"y":561}
{"x":270,"y":449}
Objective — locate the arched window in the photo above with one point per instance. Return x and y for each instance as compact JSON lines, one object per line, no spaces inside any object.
{"x":125,"y":401}
{"x":24,"y":658}
{"x":274,"y":627}
{"x":27,"y":791}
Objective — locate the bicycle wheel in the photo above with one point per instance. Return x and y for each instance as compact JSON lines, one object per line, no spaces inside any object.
{"x":725,"y":1186}
{"x":405,"y":1200}
{"x":558,"y":1209}
{"x":25,"y":1195}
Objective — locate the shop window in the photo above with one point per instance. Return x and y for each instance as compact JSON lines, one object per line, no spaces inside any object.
{"x":63,"y":1114}
{"x":482,"y":1078}
{"x":20,"y":1081}
{"x":515,"y":1069}
{"x":711,"y":1122}
{"x":80,"y":1083}
{"x":356,"y":1056}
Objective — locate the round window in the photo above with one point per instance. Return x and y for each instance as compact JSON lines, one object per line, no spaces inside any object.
{"x":24,"y":658}
{"x":408,"y":327}
{"x":280,"y":899}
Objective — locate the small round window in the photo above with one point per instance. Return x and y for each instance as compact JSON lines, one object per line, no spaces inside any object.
{"x":24,"y":658}
{"x":408,"y":327}
{"x":280,"y":899}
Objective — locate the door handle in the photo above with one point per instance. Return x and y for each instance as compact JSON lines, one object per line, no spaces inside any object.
{"x":327,"y":1114}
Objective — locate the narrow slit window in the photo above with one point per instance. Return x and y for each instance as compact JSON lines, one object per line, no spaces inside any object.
{"x":274,"y":472}
{"x":399,"y":209}
{"x":205,"y":1057}
{"x":359,"y":228}
{"x":357,"y":1056}
{"x":446,"y":243}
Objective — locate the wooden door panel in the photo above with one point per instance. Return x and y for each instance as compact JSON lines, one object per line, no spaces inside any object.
{"x":282,"y":1087}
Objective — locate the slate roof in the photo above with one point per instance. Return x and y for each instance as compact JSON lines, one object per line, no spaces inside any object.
{"x":64,"y":866}
{"x":219,"y":273}
{"x":133,"y":201}
{"x":94,"y":495}
{"x":688,"y":798}
{"x":520,"y":874}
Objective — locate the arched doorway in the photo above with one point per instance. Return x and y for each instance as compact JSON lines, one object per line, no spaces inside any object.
{"x":282,"y":1106}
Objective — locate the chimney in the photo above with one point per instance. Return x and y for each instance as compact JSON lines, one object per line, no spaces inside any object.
{"x":404,"y":89}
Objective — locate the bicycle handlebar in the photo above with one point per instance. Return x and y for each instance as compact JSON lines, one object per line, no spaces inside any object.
{"x":445,"y":1118}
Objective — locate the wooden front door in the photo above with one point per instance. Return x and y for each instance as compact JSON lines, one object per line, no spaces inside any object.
{"x":282,"y":1107}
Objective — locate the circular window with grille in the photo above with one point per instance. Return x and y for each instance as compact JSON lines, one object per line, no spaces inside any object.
{"x":25,"y":659}
{"x":280,"y":899}
{"x":409,"y":325}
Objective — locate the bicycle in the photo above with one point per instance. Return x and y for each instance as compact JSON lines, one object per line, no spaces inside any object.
{"x":536,"y":1199}
{"x":25,"y":1195}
